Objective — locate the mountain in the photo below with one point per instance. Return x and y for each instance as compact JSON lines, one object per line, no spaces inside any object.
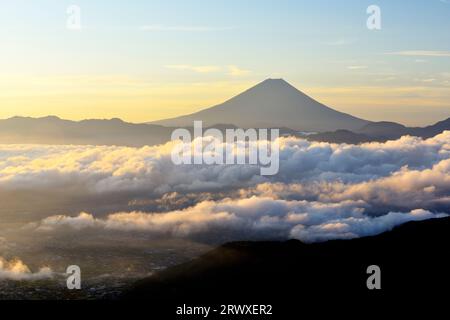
{"x":433,"y":130}
{"x":391,"y":130}
{"x":53,"y":130}
{"x":383,"y":129}
{"x":272,"y":103}
{"x":412,"y":258}
{"x":342,"y":136}
{"x":380,"y":131}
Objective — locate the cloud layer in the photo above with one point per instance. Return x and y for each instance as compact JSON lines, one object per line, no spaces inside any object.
{"x":262,"y":218}
{"x":323,"y":191}
{"x":100,"y":170}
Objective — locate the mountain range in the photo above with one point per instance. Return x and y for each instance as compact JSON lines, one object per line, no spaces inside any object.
{"x":56,"y":131}
{"x":273,"y":103}
{"x":380,"y":131}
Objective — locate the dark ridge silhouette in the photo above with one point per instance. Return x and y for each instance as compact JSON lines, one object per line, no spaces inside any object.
{"x":342,"y":136}
{"x":380,"y":132}
{"x":413,"y":259}
{"x":53,"y":130}
{"x":392,"y":130}
{"x":383,"y":129}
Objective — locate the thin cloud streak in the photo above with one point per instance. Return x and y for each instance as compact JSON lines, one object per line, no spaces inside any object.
{"x":231,"y":70}
{"x":163,"y":28}
{"x":357,"y":67}
{"x":198,"y":69}
{"x":421,"y":53}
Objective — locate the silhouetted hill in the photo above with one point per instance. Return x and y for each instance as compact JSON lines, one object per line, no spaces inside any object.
{"x":383,"y":129}
{"x":341,"y":136}
{"x":431,"y":131}
{"x":380,"y":131}
{"x":392,"y":130}
{"x":53,"y":130}
{"x":413,"y":259}
{"x":272,"y":103}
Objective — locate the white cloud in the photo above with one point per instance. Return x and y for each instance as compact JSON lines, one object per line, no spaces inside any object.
{"x":16,"y":270}
{"x":106,"y":169}
{"x":256,"y":216}
{"x":350,"y":228}
{"x":237,"y":72}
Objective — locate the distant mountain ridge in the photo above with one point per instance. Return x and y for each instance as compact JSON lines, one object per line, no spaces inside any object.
{"x":55,"y":131}
{"x":380,"y":131}
{"x":272,"y":103}
{"x":392,"y":130}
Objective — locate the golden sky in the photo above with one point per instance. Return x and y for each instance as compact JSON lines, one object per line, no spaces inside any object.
{"x":139,"y":100}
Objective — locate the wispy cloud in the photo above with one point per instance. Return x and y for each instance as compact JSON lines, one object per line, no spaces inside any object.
{"x":428,"y":80}
{"x":357,"y":67}
{"x":231,"y":70}
{"x":421,"y":53}
{"x":198,"y":69}
{"x":236,"y":71}
{"x":183,"y":28}
{"x":339,"y":42}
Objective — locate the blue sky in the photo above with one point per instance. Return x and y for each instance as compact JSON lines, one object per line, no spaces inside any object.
{"x":154,"y":59}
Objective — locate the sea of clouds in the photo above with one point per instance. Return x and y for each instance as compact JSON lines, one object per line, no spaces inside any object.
{"x":323,"y":191}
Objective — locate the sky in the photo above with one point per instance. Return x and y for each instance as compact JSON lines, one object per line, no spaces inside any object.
{"x":148,"y":60}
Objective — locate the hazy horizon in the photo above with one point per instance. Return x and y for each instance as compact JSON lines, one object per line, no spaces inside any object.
{"x":422,"y":123}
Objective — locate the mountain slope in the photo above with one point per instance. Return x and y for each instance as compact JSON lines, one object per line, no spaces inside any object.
{"x":392,"y":130}
{"x":272,"y":103}
{"x":380,"y":132}
{"x":383,"y":129}
{"x":412,"y":259}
